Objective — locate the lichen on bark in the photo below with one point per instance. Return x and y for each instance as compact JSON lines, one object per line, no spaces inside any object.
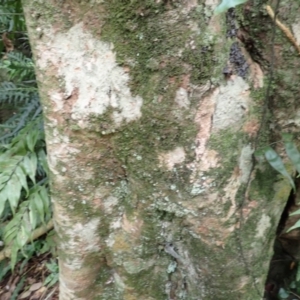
{"x":143,"y":153}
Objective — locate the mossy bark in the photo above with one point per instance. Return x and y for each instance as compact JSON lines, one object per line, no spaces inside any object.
{"x":151,"y":127}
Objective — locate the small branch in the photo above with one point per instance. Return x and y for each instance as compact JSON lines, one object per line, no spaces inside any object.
{"x":6,"y":252}
{"x":285,"y":29}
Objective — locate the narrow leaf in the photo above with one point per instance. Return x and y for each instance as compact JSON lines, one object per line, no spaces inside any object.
{"x":43,"y":161}
{"x":13,"y":190}
{"x":3,"y":198}
{"x":38,"y":202}
{"x":22,"y":178}
{"x":13,"y":255}
{"x":31,"y":139}
{"x":276,"y":162}
{"x":22,"y":238}
{"x":296,"y":225}
{"x":32,"y":214}
{"x":29,"y":165}
{"x":297,"y":212}
{"x":291,"y":150}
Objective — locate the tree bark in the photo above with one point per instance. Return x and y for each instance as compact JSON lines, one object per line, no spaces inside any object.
{"x":153,"y":110}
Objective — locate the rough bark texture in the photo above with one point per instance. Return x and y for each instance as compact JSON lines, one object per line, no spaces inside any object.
{"x":153,"y":110}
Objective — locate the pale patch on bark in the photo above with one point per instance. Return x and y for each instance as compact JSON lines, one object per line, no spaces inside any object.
{"x":60,"y":148}
{"x":182,"y":99}
{"x":121,"y":228}
{"x":205,"y":158}
{"x":119,"y":282}
{"x":133,"y":227}
{"x":137,"y":265}
{"x":171,"y":158}
{"x":83,"y":238}
{"x":109,"y":203}
{"x":230,"y":192}
{"x":245,"y":163}
{"x":89,"y":69}
{"x":203,"y":119}
{"x":263,"y":224}
{"x":240,"y":176}
{"x":244,"y":280}
{"x":231,"y":104}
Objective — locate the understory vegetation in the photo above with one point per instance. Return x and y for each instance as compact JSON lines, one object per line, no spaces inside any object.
{"x":25,"y":208}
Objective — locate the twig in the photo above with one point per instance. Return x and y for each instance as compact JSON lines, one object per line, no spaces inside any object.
{"x":51,"y":293}
{"x":285,"y":29}
{"x":6,"y":252}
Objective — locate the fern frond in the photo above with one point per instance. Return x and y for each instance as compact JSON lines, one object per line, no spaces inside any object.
{"x":26,"y":113}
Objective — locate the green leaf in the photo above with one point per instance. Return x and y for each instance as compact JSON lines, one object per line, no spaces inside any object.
{"x":291,"y":150}
{"x":296,"y":225}
{"x":38,"y":202}
{"x":4,"y":269}
{"x":43,"y":161}
{"x":276,"y":162}
{"x":22,"y":237}
{"x":32,"y":215}
{"x":13,"y":255}
{"x":13,"y":190}
{"x":226,"y":4}
{"x":31,"y":139}
{"x":297,"y":212}
{"x":10,"y":233}
{"x":283,"y":294}
{"x":22,"y":178}
{"x":29,"y":165}
{"x":3,"y":198}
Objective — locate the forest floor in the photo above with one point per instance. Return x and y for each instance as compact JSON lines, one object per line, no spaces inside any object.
{"x":31,"y":280}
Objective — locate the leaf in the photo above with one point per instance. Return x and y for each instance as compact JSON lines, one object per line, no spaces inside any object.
{"x":226,"y":4}
{"x":13,"y":255}
{"x":4,"y":269}
{"x":29,"y":165}
{"x":276,"y":162}
{"x":10,"y":234}
{"x":13,"y":190}
{"x":297,"y":212}
{"x":31,"y":139}
{"x":43,"y":161}
{"x":22,"y":178}
{"x":291,"y":150}
{"x":38,"y":202}
{"x":3,"y":198}
{"x":283,"y":294}
{"x":296,"y":225}
{"x":32,"y":215}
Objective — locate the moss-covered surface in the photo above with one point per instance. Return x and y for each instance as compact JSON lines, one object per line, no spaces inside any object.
{"x":160,"y":44}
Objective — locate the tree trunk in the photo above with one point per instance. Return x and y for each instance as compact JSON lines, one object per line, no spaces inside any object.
{"x":153,"y":110}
